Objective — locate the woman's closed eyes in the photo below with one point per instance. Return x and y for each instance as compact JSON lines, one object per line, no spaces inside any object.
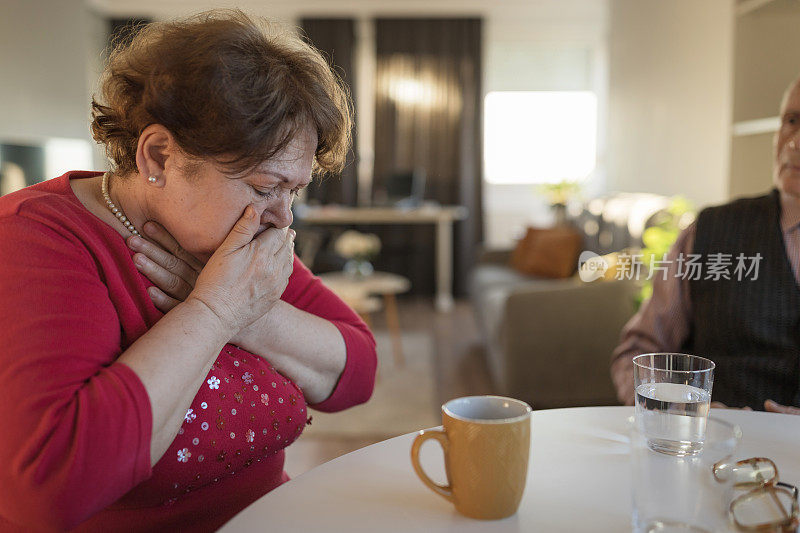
{"x":272,"y":191}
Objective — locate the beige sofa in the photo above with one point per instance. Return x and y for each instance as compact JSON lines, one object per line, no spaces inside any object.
{"x":549,"y":341}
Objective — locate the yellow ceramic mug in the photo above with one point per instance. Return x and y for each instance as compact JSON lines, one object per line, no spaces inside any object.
{"x":486,"y":443}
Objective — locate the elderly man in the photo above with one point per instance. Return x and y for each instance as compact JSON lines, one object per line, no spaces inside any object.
{"x":750,"y":327}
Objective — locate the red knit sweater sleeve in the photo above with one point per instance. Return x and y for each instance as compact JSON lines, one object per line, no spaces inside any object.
{"x":305,"y":291}
{"x":76,"y":425}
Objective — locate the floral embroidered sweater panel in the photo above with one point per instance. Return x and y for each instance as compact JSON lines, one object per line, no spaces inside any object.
{"x":75,"y":446}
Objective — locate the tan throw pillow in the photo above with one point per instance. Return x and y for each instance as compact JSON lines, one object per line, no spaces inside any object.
{"x":547,"y":252}
{"x":521,"y":252}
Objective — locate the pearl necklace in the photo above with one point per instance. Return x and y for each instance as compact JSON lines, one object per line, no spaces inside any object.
{"x":114,"y":209}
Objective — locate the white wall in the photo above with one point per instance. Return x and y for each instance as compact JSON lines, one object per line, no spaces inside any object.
{"x":766,"y":61}
{"x":43,"y":58}
{"x":46,"y":50}
{"x":670,"y":97}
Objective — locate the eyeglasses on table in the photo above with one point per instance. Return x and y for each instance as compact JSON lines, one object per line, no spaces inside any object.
{"x":763,"y":502}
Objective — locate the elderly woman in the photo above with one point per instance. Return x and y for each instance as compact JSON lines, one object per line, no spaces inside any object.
{"x":130,"y":406}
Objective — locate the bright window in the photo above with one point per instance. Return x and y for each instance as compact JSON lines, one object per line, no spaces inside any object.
{"x":539,"y":136}
{"x":61,"y":155}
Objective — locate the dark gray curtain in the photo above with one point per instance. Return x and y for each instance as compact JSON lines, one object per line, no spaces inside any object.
{"x":428,"y":116}
{"x":335,"y":38}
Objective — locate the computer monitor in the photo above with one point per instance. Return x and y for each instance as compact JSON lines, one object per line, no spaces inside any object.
{"x":406,"y":188}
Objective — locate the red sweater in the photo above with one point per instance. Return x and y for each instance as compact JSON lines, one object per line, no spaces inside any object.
{"x":76,"y":424}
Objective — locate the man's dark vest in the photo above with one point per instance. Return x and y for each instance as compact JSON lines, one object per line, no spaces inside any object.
{"x":749,"y":328}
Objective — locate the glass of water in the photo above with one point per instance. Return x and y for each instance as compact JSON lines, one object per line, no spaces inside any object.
{"x":673,"y":396}
{"x":682,"y":494}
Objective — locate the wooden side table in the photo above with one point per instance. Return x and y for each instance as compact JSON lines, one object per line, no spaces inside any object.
{"x":364,"y":306}
{"x":357,"y":292}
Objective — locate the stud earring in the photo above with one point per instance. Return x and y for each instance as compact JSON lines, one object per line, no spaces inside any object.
{"x":152,"y":179}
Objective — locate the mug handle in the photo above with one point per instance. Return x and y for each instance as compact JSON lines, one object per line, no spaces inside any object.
{"x":445,"y":491}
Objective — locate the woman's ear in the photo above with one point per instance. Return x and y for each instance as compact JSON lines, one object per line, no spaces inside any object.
{"x":156,"y":146}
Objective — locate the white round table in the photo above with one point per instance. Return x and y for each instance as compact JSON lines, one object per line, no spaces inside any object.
{"x":578,"y":480}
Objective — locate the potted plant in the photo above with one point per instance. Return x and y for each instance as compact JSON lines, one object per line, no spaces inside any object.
{"x":558,"y":195}
{"x":359,"y":249}
{"x":660,"y":237}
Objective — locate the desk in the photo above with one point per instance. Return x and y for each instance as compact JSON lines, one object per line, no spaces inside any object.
{"x":578,"y":480}
{"x":442,"y":217}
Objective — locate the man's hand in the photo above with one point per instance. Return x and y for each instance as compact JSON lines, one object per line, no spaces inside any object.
{"x":172,"y":269}
{"x":769,"y":406}
{"x":775,"y":407}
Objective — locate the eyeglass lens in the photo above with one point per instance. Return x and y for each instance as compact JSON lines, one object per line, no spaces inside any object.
{"x":754,"y":473}
{"x":764,"y":507}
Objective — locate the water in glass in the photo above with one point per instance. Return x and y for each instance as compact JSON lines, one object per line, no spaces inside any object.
{"x":672,"y":416}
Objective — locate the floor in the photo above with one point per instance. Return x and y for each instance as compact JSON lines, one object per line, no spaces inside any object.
{"x":460,"y":371}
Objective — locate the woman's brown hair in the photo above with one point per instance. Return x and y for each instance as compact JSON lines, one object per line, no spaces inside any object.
{"x":228,"y":86}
